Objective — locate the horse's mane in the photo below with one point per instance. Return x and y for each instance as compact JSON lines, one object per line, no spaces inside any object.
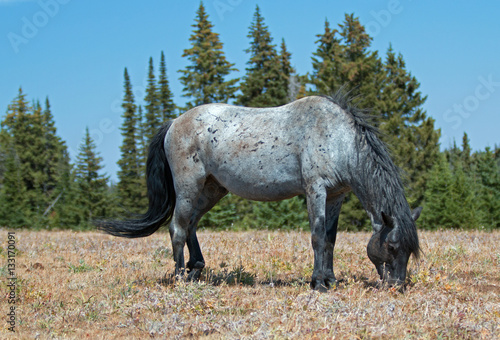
{"x":379,"y":171}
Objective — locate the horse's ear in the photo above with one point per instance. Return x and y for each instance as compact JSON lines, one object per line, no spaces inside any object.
{"x":388,"y":220}
{"x":416,"y":213}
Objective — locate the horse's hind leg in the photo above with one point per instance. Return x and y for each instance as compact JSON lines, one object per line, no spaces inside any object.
{"x":196,"y":261}
{"x":189,"y":209}
{"x":179,"y":232}
{"x":211,"y":194}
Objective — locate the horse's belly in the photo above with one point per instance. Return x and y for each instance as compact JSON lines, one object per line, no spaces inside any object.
{"x":260,"y":178}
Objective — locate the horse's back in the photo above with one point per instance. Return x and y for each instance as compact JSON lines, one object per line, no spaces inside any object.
{"x":298,"y":119}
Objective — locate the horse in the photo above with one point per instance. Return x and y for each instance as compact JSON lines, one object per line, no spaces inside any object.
{"x":319,"y":146}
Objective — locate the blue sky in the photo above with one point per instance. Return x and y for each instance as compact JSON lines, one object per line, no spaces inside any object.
{"x":75,"y":52}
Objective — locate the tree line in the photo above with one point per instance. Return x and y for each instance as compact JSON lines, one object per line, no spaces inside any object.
{"x":40,"y":188}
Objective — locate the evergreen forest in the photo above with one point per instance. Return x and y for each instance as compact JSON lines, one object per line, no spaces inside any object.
{"x":40,"y":188}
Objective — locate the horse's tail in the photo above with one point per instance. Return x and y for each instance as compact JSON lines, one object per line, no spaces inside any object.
{"x":161,"y":195}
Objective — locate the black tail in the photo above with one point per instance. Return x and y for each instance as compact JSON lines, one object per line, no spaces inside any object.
{"x":161,"y":195}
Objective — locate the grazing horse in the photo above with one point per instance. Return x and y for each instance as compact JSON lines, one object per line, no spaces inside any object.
{"x":321,"y":147}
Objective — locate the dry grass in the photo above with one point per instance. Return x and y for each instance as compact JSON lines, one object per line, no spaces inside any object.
{"x":89,"y":285}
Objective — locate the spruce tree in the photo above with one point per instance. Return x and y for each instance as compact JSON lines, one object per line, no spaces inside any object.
{"x":285,"y":90}
{"x":93,"y":197}
{"x":261,"y":83}
{"x":32,"y":155}
{"x":450,"y":197}
{"x":35,"y":162}
{"x":326,"y":62}
{"x":405,"y":127}
{"x":131,"y":189}
{"x":13,"y":202}
{"x":437,"y":196}
{"x":466,"y":155}
{"x":55,"y":158}
{"x":165,"y":96}
{"x":223,"y":215}
{"x":142,"y":141}
{"x":18,"y":125}
{"x":51,"y":142}
{"x":152,"y":118}
{"x":204,"y":80}
{"x":343,"y":60}
{"x":286,"y":214}
{"x":462,"y":203}
{"x":488,"y":174}
{"x":67,"y":214}
{"x":360,"y":69}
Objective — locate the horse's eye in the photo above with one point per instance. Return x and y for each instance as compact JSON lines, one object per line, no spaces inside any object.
{"x":393,"y":247}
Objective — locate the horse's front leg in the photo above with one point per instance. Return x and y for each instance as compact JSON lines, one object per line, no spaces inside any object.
{"x":333,"y":206}
{"x":316,"y":202}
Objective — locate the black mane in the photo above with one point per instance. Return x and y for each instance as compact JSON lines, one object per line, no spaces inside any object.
{"x":381,"y":176}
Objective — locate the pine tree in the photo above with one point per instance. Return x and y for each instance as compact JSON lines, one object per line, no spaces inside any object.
{"x":437,"y":195}
{"x":450,"y":198}
{"x":142,"y":141}
{"x":463,"y":205}
{"x":360,"y":68}
{"x":466,"y":155}
{"x":51,"y":142}
{"x":165,"y":96}
{"x":35,"y":162}
{"x":405,"y":126}
{"x":343,"y":60}
{"x":22,"y":204}
{"x":284,"y":89}
{"x":32,"y":156}
{"x":131,"y":190}
{"x":204,"y":79}
{"x":223,"y":215}
{"x":152,"y":118}
{"x":67,"y":214}
{"x":263,"y":85}
{"x":93,"y":197}
{"x":13,"y":200}
{"x":56,"y":162}
{"x":326,"y":62}
{"x":286,"y":214}
{"x":488,"y":173}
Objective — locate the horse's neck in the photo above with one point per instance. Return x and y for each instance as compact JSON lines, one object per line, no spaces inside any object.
{"x":375,"y":193}
{"x":368,"y":202}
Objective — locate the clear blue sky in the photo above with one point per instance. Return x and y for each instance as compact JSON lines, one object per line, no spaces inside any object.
{"x":75,"y":52}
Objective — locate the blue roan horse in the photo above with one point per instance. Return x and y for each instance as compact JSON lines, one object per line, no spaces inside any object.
{"x":320,"y":147}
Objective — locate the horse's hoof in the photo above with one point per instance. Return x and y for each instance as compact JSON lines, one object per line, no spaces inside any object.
{"x":332,"y":283}
{"x":319,"y":286}
{"x":195,"y":270}
{"x":196,"y":265}
{"x":194,"y":275}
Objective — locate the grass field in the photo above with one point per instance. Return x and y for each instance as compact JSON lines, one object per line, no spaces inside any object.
{"x":256,"y":285}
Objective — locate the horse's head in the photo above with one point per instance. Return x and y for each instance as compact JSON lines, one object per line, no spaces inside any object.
{"x":388,"y":253}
